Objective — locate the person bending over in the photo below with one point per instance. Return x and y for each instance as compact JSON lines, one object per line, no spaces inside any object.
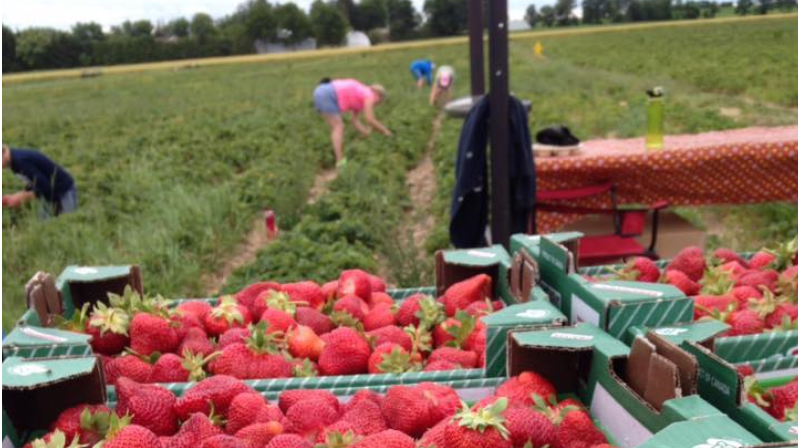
{"x":44,"y":180}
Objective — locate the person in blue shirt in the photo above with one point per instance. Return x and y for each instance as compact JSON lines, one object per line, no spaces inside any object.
{"x":44,"y":180}
{"x":422,"y":71}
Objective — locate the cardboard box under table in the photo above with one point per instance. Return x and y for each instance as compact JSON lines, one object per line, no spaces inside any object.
{"x":633,"y":392}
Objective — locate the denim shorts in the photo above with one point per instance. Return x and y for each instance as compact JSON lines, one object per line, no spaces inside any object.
{"x":325,"y":100}
{"x":67,"y":204}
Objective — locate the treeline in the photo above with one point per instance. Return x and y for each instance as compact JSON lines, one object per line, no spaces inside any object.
{"x":87,"y":44}
{"x":619,"y":11}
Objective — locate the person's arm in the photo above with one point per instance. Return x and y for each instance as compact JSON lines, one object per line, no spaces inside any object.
{"x":18,"y":198}
{"x":434,"y":92}
{"x":360,"y":127}
{"x":369,"y":116}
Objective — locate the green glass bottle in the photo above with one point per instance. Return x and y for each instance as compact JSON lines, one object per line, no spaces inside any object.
{"x":655,"y":119}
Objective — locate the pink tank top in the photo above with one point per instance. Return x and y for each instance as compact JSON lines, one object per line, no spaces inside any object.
{"x":351,"y":94}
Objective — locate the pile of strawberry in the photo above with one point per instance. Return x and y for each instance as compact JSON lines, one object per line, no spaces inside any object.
{"x":752,"y":296}
{"x":779,"y":402}
{"x":223,"y":412}
{"x":270,"y":330}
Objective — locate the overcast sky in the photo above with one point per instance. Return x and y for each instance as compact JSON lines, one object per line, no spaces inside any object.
{"x":63,"y":13}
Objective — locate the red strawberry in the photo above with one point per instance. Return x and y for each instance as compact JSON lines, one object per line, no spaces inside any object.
{"x":478,"y":309}
{"x":377,"y":284}
{"x":200,"y":426}
{"x":232,"y":336}
{"x":108,"y":328}
{"x":459,"y":295}
{"x":528,"y":426}
{"x":761,"y":259}
{"x":304,"y":343}
{"x":354,"y":282}
{"x":524,"y":386}
{"x":339,"y":434}
{"x":257,"y":358}
{"x":640,"y":269}
{"x":690,"y":261}
{"x":289,"y":441}
{"x":291,"y":397}
{"x":745,"y":370}
{"x":744,"y":322}
{"x":307,"y":418}
{"x":130,"y":366}
{"x":259,"y":434}
{"x":365,"y":418}
{"x":87,"y":422}
{"x":440,"y":365}
{"x":329,"y":290}
{"x":743,"y":294}
{"x":757,"y":279}
{"x":476,"y":341}
{"x":243,"y":411}
{"x":733,"y":268}
{"x":379,"y":316}
{"x":217,"y":391}
{"x":392,"y":334}
{"x":226,"y":315}
{"x":314,"y":319}
{"x":363,"y":395}
{"x":434,"y":437}
{"x":271,"y":413}
{"x":681,"y":281}
{"x":345,"y":353}
{"x":224,"y":441}
{"x":197,"y":307}
{"x":443,"y":401}
{"x":707,"y":305}
{"x":307,"y":293}
{"x":196,"y":341}
{"x":184,"y":322}
{"x":385,"y":439}
{"x":132,"y":436}
{"x":353,"y":306}
{"x":377,"y":298}
{"x":407,"y":313}
{"x":785,"y":314}
{"x":784,"y":399}
{"x":150,"y":406}
{"x":277,"y":320}
{"x":151,"y":333}
{"x":169,"y":369}
{"x":726,"y":256}
{"x":578,"y":430}
{"x":247,"y":296}
{"x":389,"y":358}
{"x":466,"y":359}
{"x":454,"y":331}
{"x":406,"y":409}
{"x":481,"y":428}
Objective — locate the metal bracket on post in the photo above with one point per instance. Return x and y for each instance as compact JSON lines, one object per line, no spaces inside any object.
{"x":475,"y":27}
{"x":499,"y":122}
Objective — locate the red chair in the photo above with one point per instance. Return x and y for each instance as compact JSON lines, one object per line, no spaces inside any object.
{"x":629,"y":223}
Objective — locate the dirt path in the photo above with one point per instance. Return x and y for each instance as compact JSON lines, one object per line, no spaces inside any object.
{"x":257,"y":239}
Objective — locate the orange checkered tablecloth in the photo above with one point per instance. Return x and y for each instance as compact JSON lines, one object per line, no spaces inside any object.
{"x":741,"y":166}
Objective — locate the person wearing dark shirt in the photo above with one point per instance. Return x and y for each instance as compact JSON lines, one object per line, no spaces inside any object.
{"x":44,"y":180}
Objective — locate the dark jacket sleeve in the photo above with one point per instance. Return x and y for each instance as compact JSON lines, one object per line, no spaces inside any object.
{"x":523,"y":169}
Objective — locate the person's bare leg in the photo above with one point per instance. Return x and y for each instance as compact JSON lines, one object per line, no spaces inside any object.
{"x":420,"y":82}
{"x":434,"y":94}
{"x":337,"y":134}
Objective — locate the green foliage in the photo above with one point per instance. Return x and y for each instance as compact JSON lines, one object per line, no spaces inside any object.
{"x":330,"y":24}
{"x":292,"y":19}
{"x":10,"y":61}
{"x":202,"y":27}
{"x":446,"y":17}
{"x":369,"y":14}
{"x":403,"y":19}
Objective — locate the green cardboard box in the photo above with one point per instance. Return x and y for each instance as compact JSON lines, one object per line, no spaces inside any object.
{"x":633,"y":392}
{"x":36,"y":391}
{"x":716,"y":431}
{"x":38,"y":342}
{"x":453,"y":266}
{"x":553,"y":256}
{"x":723,"y":386}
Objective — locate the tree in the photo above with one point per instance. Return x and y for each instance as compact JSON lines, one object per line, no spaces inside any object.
{"x":348,"y":8}
{"x":530,"y":16}
{"x":330,"y":25}
{"x":86,"y":35}
{"x":548,"y":15}
{"x":786,"y":5}
{"x":403,"y":19}
{"x":369,"y":14}
{"x":743,"y":7}
{"x":10,"y":62}
{"x":563,"y":11}
{"x":178,"y":27}
{"x":202,"y":27}
{"x":41,"y":48}
{"x":592,"y":11}
{"x":137,"y":29}
{"x":690,"y":10}
{"x":293,"y":20}
{"x":764,"y":6}
{"x":260,"y":20}
{"x":446,"y":17}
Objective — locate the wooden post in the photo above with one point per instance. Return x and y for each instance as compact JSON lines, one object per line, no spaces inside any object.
{"x":499,"y":122}
{"x":475,"y":26}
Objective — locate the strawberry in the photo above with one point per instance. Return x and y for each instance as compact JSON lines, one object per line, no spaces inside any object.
{"x":345,"y":353}
{"x":724,"y":255}
{"x":55,"y":439}
{"x":745,"y":370}
{"x":733,"y":268}
{"x":459,"y":295}
{"x":329,"y":290}
{"x":365,"y":418}
{"x":201,"y":426}
{"x":524,"y":386}
{"x":185,"y":322}
{"x":247,"y":296}
{"x":440,"y":365}
{"x":716,"y":282}
{"x":130,"y":366}
{"x":761,"y":259}
{"x":478,"y":309}
{"x":379,"y":316}
{"x":443,"y":401}
{"x":466,"y":359}
{"x":232,"y":336}
{"x":151,"y":333}
{"x":308,"y":417}
{"x":256,"y":358}
{"x":306,"y":293}
{"x":243,"y":411}
{"x":351,"y":305}
{"x":354,"y":282}
{"x":690,"y":261}
{"x":784,"y":399}
{"x":276,"y":300}
{"x":784,"y":316}
{"x":526,"y":426}
{"x":481,"y":428}
{"x":385,"y":439}
{"x":289,"y":441}
{"x":392,"y":334}
{"x":169,"y":369}
{"x":640,"y":269}
{"x":89,"y":423}
{"x":454,"y":331}
{"x":743,"y":294}
{"x":707,"y":305}
{"x":389,"y":358}
{"x":377,"y":298}
{"x":476,"y":341}
{"x":363,"y":395}
{"x":108,"y":328}
{"x":767,"y":279}
{"x":150,"y":406}
{"x":224,"y":441}
{"x":339,"y":434}
{"x":291,"y":397}
{"x":198,"y":308}
{"x":407,"y":312}
{"x":414,"y":409}
{"x":196,"y":341}
{"x":217,"y":391}
{"x":577,"y":430}
{"x":377,"y":283}
{"x":132,"y":436}
{"x":304,"y":343}
{"x":314,"y":319}
{"x":681,"y":281}
{"x":434,"y":437}
{"x":227,"y":314}
{"x":277,"y":320}
{"x":259,"y":434}
{"x":744,"y":322}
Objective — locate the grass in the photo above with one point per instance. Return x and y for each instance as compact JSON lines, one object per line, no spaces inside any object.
{"x":172,"y":166}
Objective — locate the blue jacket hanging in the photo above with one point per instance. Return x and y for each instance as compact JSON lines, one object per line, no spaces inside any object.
{"x":469,"y":209}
